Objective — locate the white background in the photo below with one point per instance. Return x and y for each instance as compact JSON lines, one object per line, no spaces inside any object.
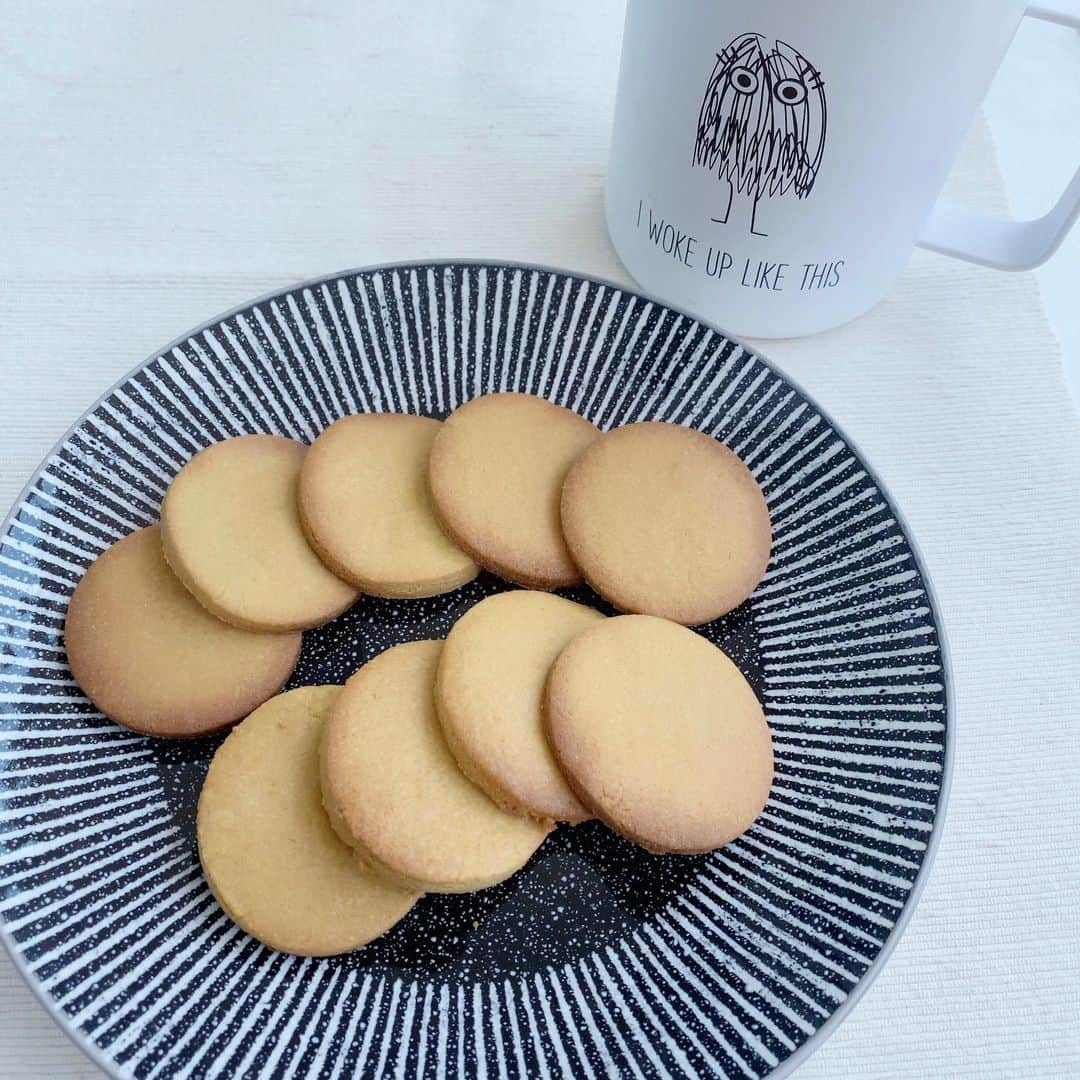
{"x":164,"y":162}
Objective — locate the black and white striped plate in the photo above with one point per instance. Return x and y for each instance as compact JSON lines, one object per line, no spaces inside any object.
{"x":596,"y":958}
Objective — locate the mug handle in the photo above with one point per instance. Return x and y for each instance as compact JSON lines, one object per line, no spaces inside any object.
{"x":999,"y":242}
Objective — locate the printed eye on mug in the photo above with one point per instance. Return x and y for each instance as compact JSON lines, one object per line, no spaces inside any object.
{"x":773,"y":164}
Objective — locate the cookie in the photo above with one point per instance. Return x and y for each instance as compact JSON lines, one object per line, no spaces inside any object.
{"x":395,"y":794}
{"x":267,"y":849}
{"x":365,"y":508}
{"x":495,"y":472}
{"x":659,"y":734}
{"x":488,"y":695}
{"x":232,"y":535}
{"x":666,"y":521}
{"x":148,"y":655}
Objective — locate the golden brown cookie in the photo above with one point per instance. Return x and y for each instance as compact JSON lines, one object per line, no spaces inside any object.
{"x":659,"y":734}
{"x":232,"y":535}
{"x":365,"y":508}
{"x":666,"y":521}
{"x":495,"y":471}
{"x":488,"y":695}
{"x":148,"y":655}
{"x":394,"y":793}
{"x":267,"y":848}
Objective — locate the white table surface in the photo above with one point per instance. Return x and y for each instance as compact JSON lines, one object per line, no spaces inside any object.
{"x":163,"y":163}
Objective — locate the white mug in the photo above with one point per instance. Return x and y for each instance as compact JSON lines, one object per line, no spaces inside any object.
{"x":774,"y":162}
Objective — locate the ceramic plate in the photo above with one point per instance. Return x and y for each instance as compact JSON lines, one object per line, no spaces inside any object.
{"x":596,"y":958}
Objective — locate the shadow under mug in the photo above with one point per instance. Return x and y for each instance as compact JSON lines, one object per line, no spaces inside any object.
{"x":773,"y":163}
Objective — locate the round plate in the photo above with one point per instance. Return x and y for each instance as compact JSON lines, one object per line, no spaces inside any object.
{"x":597,"y":957}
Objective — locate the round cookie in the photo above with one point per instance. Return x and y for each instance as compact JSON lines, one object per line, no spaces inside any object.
{"x":365,"y":508}
{"x":659,"y":734}
{"x":394,"y":793}
{"x":666,"y":521}
{"x":267,"y":849}
{"x":488,"y":695}
{"x":232,"y":534}
{"x":495,"y":471}
{"x":146,"y":654}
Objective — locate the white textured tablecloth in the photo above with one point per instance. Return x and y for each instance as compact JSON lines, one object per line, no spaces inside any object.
{"x":163,"y":164}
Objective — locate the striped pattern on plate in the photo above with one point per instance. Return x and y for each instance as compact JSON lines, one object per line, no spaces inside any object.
{"x":596,"y":958}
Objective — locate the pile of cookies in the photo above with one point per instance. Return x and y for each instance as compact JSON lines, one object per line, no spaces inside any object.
{"x":441,"y":765}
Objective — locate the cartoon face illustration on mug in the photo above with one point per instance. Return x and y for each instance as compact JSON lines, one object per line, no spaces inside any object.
{"x":761,"y":127}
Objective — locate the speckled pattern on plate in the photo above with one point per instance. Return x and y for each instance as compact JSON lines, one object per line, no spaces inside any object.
{"x":596,"y":958}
